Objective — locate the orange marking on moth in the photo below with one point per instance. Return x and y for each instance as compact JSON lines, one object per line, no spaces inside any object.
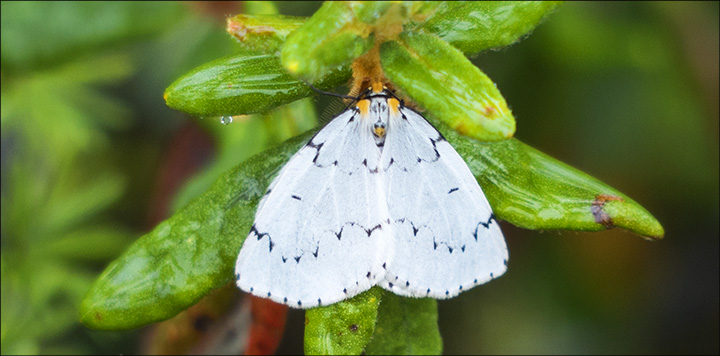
{"x":394,"y":105}
{"x":379,"y":131}
{"x":363,"y":106}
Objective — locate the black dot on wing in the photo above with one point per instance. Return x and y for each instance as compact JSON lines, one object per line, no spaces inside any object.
{"x":319,"y":301}
{"x":390,"y":284}
{"x":447,"y":292}
{"x":460,"y":287}
{"x":299,"y":303}
{"x":269,"y":294}
{"x":345,"y":290}
{"x":368,"y":274}
{"x":475,"y":281}
{"x":252,"y":289}
{"x":407,"y":284}
{"x":285,"y":299}
{"x":491,"y":275}
{"x":237,"y":276}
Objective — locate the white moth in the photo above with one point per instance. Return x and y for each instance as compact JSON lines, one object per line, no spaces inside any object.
{"x":377,"y":197}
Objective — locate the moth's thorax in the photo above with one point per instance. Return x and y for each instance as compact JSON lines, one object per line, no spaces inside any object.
{"x":376,"y":112}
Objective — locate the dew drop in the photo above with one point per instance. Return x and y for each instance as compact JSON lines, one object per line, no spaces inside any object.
{"x":226,"y":120}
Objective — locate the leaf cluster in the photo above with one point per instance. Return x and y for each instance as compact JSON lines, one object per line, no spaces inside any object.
{"x":422,"y":47}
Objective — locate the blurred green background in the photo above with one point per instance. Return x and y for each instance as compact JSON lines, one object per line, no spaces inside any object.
{"x":627,"y":92}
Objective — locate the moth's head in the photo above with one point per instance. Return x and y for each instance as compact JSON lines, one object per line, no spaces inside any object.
{"x":388,"y":99}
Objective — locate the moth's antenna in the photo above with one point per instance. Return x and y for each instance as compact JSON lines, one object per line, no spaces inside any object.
{"x":332,"y":94}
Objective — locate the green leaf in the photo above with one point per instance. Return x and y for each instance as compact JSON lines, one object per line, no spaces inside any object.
{"x":474,"y":26}
{"x":406,"y":326}
{"x":332,"y":38}
{"x":344,"y":328}
{"x":241,"y":84}
{"x":262,"y":33}
{"x":440,"y":79}
{"x":533,"y":190}
{"x":188,"y":255}
{"x":193,"y":252}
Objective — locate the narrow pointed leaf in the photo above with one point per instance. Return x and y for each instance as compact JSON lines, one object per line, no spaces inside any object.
{"x":343,"y":328}
{"x":241,"y":84}
{"x":442,"y":80}
{"x":474,"y":26}
{"x":186,"y":256}
{"x":406,"y":326}
{"x":533,"y":190}
{"x":333,"y":37}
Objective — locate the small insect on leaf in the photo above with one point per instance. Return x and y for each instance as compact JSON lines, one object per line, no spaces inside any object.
{"x":374,"y":192}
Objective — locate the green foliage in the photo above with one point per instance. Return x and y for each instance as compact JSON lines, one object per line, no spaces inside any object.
{"x":439,"y":78}
{"x":262,"y":33}
{"x":406,"y":326}
{"x":338,"y":33}
{"x":64,"y":174}
{"x":475,"y":26}
{"x":550,"y":195}
{"x":150,"y":283}
{"x":343,"y":328}
{"x":241,"y":84}
{"x":60,"y":172}
{"x":37,"y":34}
